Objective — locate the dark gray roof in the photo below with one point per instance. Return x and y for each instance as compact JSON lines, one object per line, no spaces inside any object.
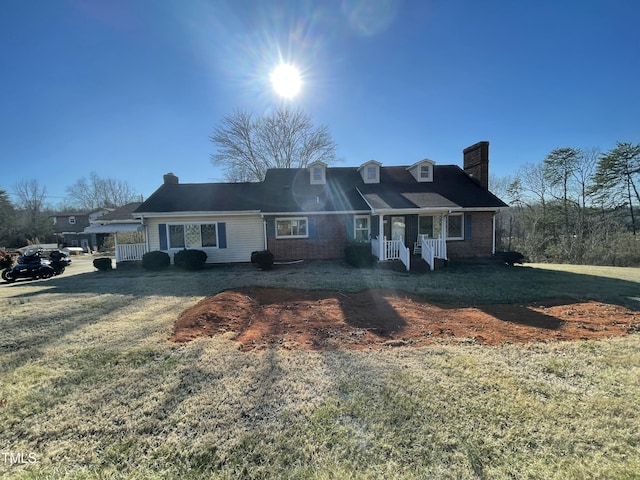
{"x":203,"y":197}
{"x":289,"y":190}
{"x":451,"y":188}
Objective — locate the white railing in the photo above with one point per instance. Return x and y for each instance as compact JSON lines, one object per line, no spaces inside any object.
{"x":405,"y":255}
{"x":439,"y":245}
{"x":392,"y":249}
{"x":395,"y":250}
{"x":126,"y":252}
{"x":427,"y":253}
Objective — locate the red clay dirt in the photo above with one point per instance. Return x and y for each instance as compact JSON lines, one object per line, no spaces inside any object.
{"x":321,"y":320}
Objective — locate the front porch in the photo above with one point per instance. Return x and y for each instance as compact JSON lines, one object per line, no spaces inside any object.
{"x":427,"y":249}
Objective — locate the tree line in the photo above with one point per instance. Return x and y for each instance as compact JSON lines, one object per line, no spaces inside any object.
{"x":574,"y":206}
{"x":27,"y":219}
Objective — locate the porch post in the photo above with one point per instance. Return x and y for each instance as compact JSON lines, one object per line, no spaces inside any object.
{"x":115,"y":241}
{"x":381,"y":237}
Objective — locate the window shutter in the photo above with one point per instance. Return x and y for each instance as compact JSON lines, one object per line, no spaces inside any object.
{"x":311,"y":224}
{"x":271,"y":228}
{"x":162,"y":233}
{"x":222,"y":235}
{"x":375,"y":226}
{"x":468,"y":225}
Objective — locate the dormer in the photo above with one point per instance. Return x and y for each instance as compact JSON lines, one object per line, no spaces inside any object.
{"x":422,"y":171}
{"x":317,"y":173}
{"x":370,"y":171}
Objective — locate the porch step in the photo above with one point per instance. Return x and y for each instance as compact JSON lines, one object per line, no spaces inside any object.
{"x":418,"y":265}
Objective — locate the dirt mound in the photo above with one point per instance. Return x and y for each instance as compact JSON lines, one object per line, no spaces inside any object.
{"x":322,"y":320}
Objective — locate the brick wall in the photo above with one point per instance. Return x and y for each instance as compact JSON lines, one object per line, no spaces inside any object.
{"x":328,"y":241}
{"x":481,"y":242}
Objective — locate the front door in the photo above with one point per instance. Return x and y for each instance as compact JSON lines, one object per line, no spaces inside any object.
{"x":398,"y":228}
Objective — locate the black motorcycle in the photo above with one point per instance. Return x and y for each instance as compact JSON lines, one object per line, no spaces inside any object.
{"x":33,"y":264}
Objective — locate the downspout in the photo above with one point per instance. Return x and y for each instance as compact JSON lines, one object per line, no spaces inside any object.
{"x":493,"y":238}
{"x":264,"y":228}
{"x":146,"y":233}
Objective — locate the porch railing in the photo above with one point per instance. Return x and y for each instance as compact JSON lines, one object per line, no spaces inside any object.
{"x":427,"y":253}
{"x":439,"y":245}
{"x":395,"y":250}
{"x":126,"y":252}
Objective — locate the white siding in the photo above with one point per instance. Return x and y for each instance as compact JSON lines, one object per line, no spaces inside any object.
{"x":245,"y":234}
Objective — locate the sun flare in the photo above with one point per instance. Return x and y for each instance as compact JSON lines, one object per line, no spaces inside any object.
{"x":286,"y":80}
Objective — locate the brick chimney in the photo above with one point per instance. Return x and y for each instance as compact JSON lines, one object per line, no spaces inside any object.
{"x":476,"y":162}
{"x":170,"y":179}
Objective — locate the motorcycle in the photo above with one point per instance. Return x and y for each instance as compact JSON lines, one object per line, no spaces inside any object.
{"x":33,"y":264}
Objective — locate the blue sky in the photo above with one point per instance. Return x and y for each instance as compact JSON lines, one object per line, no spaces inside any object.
{"x":132,"y":89}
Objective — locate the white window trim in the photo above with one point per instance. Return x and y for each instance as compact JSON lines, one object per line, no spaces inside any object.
{"x":355,"y":223}
{"x":184,"y":224}
{"x":461,"y":215}
{"x":285,"y":219}
{"x":322,"y":180}
{"x":429,"y":175}
{"x":72,"y":220}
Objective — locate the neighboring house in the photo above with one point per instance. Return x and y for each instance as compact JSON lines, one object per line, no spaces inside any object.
{"x":132,"y":243}
{"x":69,"y":228}
{"x":435,"y":211}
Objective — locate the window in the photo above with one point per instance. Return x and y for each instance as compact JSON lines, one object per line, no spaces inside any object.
{"x":430,"y":225}
{"x":425,"y":172}
{"x":372,"y":172}
{"x":317,"y":175}
{"x":193,"y":235}
{"x":291,"y":228}
{"x":454,"y":227}
{"x":72,"y":220}
{"x":361,"y":229}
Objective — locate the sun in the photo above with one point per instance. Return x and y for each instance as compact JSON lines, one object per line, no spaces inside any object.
{"x":286,"y":80}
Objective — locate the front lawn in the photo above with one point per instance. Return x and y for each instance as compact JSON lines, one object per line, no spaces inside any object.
{"x":90,"y":387}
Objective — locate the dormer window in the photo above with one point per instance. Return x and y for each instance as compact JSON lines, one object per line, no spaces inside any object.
{"x":318,"y":173}
{"x":370,"y":171}
{"x":72,"y":220}
{"x":422,"y":171}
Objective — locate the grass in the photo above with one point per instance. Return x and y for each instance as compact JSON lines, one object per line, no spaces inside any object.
{"x":90,"y":385}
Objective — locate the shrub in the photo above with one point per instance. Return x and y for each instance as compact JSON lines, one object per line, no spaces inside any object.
{"x":156,"y":260}
{"x":190,"y":259}
{"x":263,"y":259}
{"x":359,"y":255}
{"x":102,"y":264}
{"x":510,"y":258}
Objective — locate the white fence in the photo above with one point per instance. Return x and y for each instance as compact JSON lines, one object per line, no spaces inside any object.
{"x":395,"y":250}
{"x":127,"y":252}
{"x":438,"y":245}
{"x":427,"y":253}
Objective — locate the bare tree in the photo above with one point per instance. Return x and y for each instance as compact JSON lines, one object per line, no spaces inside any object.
{"x":96,"y":192}
{"x":31,"y":197}
{"x":247,"y":146}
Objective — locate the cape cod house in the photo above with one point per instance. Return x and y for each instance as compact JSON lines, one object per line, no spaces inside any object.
{"x":434,"y":211}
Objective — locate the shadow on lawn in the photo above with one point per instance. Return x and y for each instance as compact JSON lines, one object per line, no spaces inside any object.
{"x":461,"y":285}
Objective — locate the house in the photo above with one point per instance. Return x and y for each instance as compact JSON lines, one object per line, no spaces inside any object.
{"x":69,"y":228}
{"x":131,"y":244}
{"x":434,"y":211}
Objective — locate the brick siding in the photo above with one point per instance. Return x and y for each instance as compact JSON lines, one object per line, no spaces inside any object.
{"x":481,"y":242}
{"x":328,"y":242}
